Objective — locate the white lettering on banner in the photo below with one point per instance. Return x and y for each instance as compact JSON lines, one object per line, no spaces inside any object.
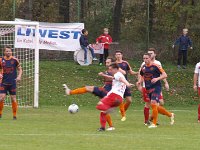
{"x":56,"y":36}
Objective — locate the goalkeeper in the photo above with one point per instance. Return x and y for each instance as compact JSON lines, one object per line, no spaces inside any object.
{"x":9,"y":67}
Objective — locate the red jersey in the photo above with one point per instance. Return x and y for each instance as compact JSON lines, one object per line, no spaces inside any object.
{"x":103,"y":39}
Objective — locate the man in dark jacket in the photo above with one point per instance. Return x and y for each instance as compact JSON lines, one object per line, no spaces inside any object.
{"x":184,"y":42}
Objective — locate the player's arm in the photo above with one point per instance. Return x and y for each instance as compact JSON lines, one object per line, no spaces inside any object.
{"x":105,"y":76}
{"x":130,"y":71}
{"x":122,"y":71}
{"x":166,"y":84}
{"x":162,"y":76}
{"x":19,"y":70}
{"x":195,"y":79}
{"x":123,"y":80}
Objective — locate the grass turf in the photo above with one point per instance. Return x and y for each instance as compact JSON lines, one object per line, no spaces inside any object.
{"x":53,"y":128}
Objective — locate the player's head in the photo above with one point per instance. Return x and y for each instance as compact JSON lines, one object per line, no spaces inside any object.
{"x":152,"y":52}
{"x":185,"y":31}
{"x":84,"y":32}
{"x":118,"y":55}
{"x":109,"y":61}
{"x":105,"y":31}
{"x":7,"y":51}
{"x":147,"y":58}
{"x":113,"y":68}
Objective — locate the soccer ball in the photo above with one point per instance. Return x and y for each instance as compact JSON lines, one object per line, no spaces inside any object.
{"x":73,"y":108}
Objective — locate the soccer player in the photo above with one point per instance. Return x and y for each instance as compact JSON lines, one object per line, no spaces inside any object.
{"x":152,"y":52}
{"x":115,"y":97}
{"x":184,"y":42}
{"x":106,"y":39}
{"x":152,"y":75}
{"x":124,"y":65}
{"x":85,"y":45}
{"x":197,"y":85}
{"x":9,"y":66}
{"x":97,"y":91}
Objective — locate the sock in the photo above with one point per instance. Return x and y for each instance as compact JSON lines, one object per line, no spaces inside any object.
{"x":1,"y":107}
{"x":146,"y":114}
{"x":78,"y":91}
{"x":121,"y":107}
{"x":14,"y":108}
{"x":109,"y":120}
{"x":199,"y":112}
{"x":126,"y":105}
{"x":163,"y":111}
{"x":103,"y":120}
{"x":155,"y":113}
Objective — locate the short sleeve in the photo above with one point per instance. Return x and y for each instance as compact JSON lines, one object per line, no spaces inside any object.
{"x":197,"y":68}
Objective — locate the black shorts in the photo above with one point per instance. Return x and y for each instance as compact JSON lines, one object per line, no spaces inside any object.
{"x":127,"y":92}
{"x":100,"y":92}
{"x":8,"y":89}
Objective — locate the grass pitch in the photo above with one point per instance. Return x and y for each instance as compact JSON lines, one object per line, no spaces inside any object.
{"x":53,"y":128}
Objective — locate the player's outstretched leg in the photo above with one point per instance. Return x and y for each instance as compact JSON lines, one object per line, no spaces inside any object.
{"x":122,"y":111}
{"x":14,"y":106}
{"x":81,"y":90}
{"x":163,"y":111}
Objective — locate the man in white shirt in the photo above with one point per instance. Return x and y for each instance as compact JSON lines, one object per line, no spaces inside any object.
{"x":197,"y":85}
{"x":115,"y":97}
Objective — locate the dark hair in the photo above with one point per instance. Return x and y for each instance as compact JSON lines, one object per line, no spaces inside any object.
{"x":147,"y":54}
{"x":114,"y":66}
{"x":9,"y":47}
{"x":83,"y":31}
{"x":118,"y":51}
{"x":111,"y":58}
{"x":152,"y":49}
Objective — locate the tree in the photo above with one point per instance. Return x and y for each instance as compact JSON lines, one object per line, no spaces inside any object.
{"x":116,"y":20}
{"x":64,"y":10}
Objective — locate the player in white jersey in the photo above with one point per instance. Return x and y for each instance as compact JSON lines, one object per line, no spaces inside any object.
{"x":152,"y":52}
{"x":197,"y":85}
{"x":115,"y":97}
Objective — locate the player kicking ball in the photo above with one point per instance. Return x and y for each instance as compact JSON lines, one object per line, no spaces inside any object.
{"x":115,"y":97}
{"x":9,"y":67}
{"x":97,"y":91}
{"x":152,"y":75}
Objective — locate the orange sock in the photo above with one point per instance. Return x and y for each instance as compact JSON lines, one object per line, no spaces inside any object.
{"x":126,"y":105}
{"x":121,"y":107}
{"x":155,"y":113}
{"x":163,"y":111}
{"x":1,"y":107}
{"x":109,"y":120}
{"x":78,"y":91}
{"x":14,"y":108}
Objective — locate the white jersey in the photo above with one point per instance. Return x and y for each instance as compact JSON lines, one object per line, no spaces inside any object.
{"x":155,"y":62}
{"x":197,"y":70}
{"x":118,"y":87}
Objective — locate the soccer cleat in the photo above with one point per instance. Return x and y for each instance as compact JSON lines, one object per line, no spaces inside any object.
{"x":95,"y":59}
{"x":147,"y":123}
{"x":172,"y":119}
{"x":152,"y":126}
{"x":110,"y":129}
{"x":123,"y":118}
{"x":67,"y":90}
{"x":184,"y":67}
{"x":14,"y":118}
{"x":178,"y":67}
{"x":101,"y":129}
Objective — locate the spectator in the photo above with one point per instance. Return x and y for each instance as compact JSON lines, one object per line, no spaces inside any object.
{"x":85,"y":45}
{"x":106,"y":39}
{"x":184,"y":42}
